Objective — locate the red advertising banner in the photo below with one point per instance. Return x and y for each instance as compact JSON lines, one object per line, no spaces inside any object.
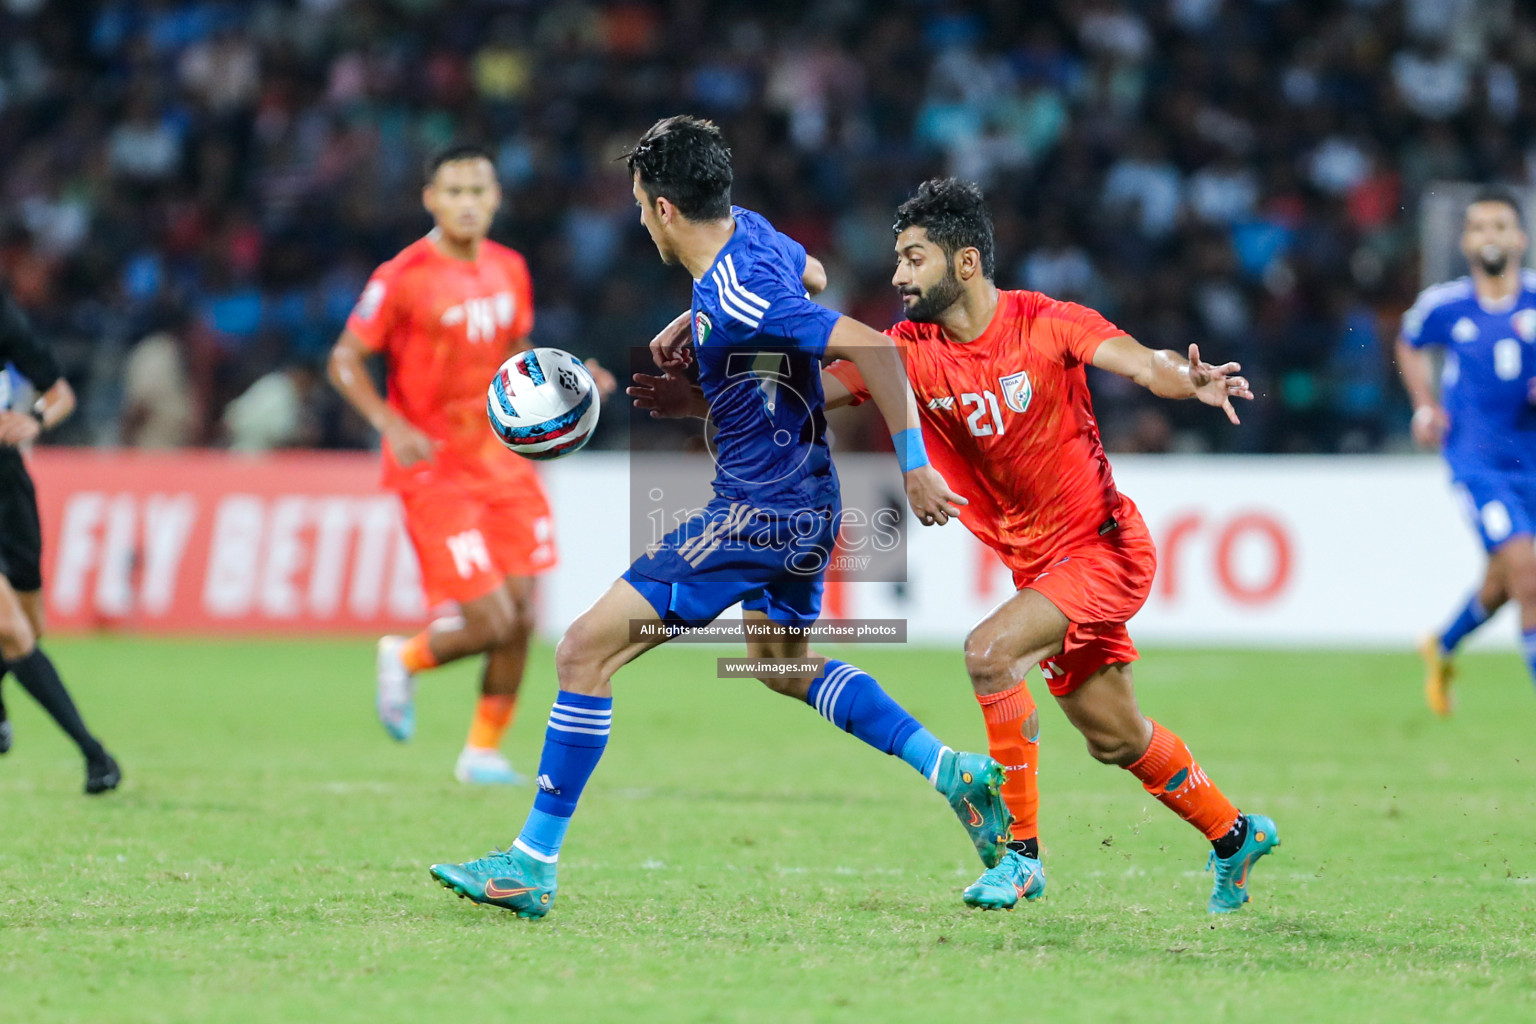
{"x":222,"y":543}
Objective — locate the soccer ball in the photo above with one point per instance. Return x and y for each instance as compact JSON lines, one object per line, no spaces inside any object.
{"x":543,"y":403}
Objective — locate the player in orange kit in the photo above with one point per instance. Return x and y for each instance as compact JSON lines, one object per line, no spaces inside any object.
{"x":445,"y":313}
{"x":1001,"y":384}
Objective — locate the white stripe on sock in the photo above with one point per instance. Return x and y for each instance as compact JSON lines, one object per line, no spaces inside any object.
{"x":831,"y":688}
{"x":542,"y":858}
{"x":837,"y":691}
{"x":581,"y":719}
{"x":588,"y":712}
{"x":571,"y":728}
{"x":938,"y":763}
{"x":829,"y":681}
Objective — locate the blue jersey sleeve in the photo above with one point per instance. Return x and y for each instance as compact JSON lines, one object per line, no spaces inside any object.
{"x":801,"y":323}
{"x":769,"y":311}
{"x":1427,"y":321}
{"x":793,"y":252}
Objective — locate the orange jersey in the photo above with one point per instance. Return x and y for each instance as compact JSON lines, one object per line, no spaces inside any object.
{"x":1008,"y":421}
{"x":445,"y":326}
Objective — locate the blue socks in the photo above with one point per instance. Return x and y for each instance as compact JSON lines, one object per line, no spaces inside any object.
{"x":579,"y":725}
{"x":1468,"y":619}
{"x":573,"y":744}
{"x":1528,"y":645}
{"x":850,"y":699}
{"x":924,"y":752}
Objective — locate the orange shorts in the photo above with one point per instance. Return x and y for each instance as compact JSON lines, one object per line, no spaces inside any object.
{"x":469,"y":538}
{"x":1098,"y":586}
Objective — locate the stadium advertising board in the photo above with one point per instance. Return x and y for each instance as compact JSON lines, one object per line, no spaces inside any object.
{"x":211,"y":542}
{"x":1323,"y":551}
{"x":1334,"y":551}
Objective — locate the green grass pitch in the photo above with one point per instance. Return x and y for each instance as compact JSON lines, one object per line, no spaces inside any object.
{"x":736,"y":859}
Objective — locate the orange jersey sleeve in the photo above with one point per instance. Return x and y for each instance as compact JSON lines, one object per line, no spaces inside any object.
{"x":378,"y":309}
{"x":851,"y":379}
{"x":1075,"y":332}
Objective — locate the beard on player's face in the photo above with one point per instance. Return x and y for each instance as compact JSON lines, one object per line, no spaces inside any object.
{"x":1493,"y":259}
{"x":931,"y":302}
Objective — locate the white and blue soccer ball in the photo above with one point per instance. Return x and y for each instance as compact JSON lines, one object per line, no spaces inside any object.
{"x":543,"y":403}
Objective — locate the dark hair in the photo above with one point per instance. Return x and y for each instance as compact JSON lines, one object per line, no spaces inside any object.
{"x":457,"y":151}
{"x":1499,"y":194}
{"x":955,"y":214}
{"x":685,"y":159}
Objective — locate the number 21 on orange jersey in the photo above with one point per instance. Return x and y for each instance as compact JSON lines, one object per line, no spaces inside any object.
{"x":983,"y":403}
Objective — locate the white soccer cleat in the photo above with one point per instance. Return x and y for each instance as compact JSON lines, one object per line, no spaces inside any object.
{"x":480,"y":767}
{"x":395,"y":699}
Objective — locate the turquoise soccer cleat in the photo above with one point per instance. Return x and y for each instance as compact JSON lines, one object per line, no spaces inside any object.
{"x":1231,"y":889}
{"x":395,"y":696}
{"x":1015,"y":877}
{"x":972,"y":783}
{"x":509,"y":879}
{"x":477,"y":767}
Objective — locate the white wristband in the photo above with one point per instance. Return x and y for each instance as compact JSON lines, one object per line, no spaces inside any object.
{"x":1424,"y":414}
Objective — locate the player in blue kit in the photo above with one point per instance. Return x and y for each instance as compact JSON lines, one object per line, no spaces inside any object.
{"x":1484,"y":417}
{"x":766,"y":537}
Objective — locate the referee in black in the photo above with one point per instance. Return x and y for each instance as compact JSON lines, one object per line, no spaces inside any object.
{"x":21,"y":542}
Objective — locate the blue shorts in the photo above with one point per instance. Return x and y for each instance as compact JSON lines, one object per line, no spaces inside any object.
{"x":1500,"y":506}
{"x":771,"y":560}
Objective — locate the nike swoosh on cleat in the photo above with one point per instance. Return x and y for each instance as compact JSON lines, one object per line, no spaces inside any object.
{"x":975,"y":814}
{"x":496,"y":892}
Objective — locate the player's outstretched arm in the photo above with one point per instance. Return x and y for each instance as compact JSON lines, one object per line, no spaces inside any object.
{"x":1429,"y":418}
{"x":348,"y":370}
{"x":1169,"y":375}
{"x":879,"y":363}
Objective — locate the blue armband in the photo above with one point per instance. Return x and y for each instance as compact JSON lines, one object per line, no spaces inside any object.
{"x":910,"y":451}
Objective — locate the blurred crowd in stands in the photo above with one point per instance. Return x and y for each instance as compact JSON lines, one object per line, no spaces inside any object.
{"x":192,"y":194}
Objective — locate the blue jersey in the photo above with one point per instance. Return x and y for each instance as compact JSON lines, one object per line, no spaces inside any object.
{"x":1490,"y":363}
{"x":759,"y":340}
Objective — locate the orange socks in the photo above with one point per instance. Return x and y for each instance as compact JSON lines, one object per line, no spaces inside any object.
{"x":1167,"y":769}
{"x":492,"y":716}
{"x":1005,"y":714}
{"x":1169,"y":772}
{"x":416,"y":653}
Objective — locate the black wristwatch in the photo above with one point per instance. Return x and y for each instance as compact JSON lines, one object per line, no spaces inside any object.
{"x":37,"y":414}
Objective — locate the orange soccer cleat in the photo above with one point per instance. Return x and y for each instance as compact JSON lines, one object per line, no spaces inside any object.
{"x":1439,"y":673}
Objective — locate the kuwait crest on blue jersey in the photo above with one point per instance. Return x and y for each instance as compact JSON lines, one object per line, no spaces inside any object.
{"x":1524,"y":323}
{"x":701,"y":327}
{"x":1017,"y":390}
